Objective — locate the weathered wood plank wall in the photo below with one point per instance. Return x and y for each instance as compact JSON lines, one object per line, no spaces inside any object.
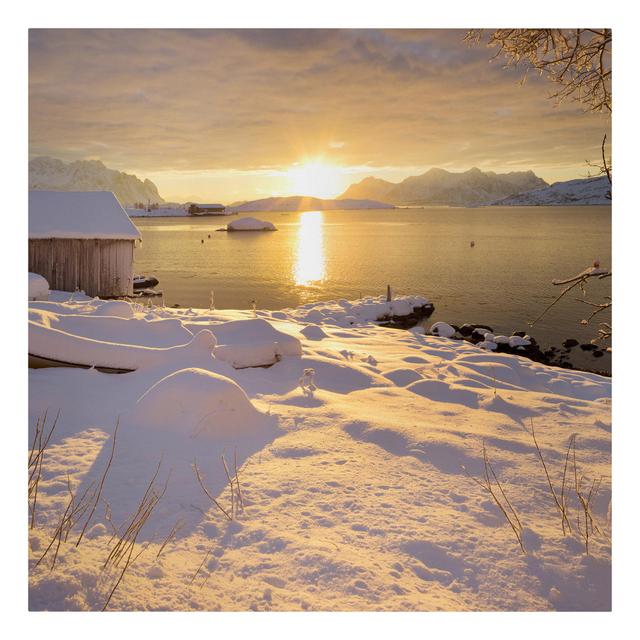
{"x":98,"y":267}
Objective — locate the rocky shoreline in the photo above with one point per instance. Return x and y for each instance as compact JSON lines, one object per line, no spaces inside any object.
{"x":521,"y":344}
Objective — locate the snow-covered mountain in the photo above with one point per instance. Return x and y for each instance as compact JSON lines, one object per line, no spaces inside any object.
{"x":89,"y":175}
{"x":578,"y":192}
{"x":306,"y":203}
{"x":438,"y":186}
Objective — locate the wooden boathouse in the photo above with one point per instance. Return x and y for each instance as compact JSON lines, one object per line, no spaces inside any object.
{"x":213,"y":209}
{"x":82,"y":240}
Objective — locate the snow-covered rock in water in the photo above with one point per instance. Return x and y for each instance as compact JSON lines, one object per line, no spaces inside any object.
{"x":501,"y":339}
{"x":517,"y":341}
{"x":489,"y":345}
{"x":251,"y":224}
{"x":38,"y":287}
{"x":443,"y":330}
{"x":196,"y":403}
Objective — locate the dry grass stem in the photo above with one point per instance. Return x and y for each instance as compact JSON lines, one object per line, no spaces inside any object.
{"x":507,"y":508}
{"x":126,"y":544}
{"x":559,"y":502}
{"x":36,"y":460}
{"x":101,"y":484}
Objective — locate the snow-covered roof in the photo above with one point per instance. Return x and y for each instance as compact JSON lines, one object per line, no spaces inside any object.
{"x":78,"y":214}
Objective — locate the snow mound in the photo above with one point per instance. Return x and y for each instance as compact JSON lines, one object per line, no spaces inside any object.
{"x":115,"y":308}
{"x":251,"y":224}
{"x":136,"y":331}
{"x":63,"y":347}
{"x":253,"y":343}
{"x":38,"y":287}
{"x":443,"y":330}
{"x":196,"y":403}
{"x":313,"y":332}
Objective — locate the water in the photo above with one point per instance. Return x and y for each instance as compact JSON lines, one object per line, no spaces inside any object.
{"x":503,"y":281}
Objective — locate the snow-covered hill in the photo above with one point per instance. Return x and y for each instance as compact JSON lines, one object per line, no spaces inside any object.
{"x":306,"y":203}
{"x":89,"y":175}
{"x":438,"y":186}
{"x":577,"y":192}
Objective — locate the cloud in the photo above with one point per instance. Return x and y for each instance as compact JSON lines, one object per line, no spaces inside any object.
{"x":164,"y":101}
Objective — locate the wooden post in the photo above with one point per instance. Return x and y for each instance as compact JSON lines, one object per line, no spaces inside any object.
{"x":388,"y":293}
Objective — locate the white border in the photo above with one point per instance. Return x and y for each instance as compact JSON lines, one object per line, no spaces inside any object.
{"x":328,"y":13}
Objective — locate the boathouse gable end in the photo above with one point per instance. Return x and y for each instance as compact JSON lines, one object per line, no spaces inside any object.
{"x":82,"y":240}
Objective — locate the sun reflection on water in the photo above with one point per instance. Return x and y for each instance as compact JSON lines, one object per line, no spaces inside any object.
{"x":309,"y":268}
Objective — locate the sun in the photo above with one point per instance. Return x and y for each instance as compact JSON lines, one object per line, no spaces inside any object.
{"x":315,"y":178}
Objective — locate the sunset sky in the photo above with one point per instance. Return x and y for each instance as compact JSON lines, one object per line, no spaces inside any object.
{"x":229,"y":115}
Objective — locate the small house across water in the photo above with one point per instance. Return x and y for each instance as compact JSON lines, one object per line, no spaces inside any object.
{"x":216,"y":209}
{"x":82,"y":240}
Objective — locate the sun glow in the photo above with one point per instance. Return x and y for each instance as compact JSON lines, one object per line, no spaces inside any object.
{"x":316,"y":178}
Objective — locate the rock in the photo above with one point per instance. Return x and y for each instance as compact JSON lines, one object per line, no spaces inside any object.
{"x":598,"y":353}
{"x":466,"y":330}
{"x":588,"y":347}
{"x":442,"y":329}
{"x":520,"y":334}
{"x":569,"y":343}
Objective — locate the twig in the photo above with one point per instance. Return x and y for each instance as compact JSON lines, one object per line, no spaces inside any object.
{"x":101,"y":484}
{"x":514,"y":522}
{"x":195,"y":467}
{"x":559,"y":503}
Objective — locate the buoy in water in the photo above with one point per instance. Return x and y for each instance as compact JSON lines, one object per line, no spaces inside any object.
{"x":201,"y":241}
{"x":472,"y":243}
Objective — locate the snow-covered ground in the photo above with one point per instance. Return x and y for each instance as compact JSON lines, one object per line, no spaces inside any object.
{"x":357,"y":453}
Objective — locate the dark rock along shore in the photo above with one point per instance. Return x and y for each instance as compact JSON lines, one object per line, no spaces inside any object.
{"x":552,"y":356}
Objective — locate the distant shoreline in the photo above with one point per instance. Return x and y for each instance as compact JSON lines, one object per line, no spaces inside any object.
{"x":394,"y":208}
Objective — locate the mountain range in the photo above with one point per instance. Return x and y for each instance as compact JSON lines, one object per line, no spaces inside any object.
{"x":435,"y":187}
{"x":441,"y":187}
{"x":576,"y":192}
{"x":90,"y":175}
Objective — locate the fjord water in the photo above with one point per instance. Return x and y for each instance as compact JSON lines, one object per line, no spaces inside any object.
{"x":503,"y":281}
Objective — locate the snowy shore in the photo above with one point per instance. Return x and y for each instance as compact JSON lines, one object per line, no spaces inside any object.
{"x":357,"y":447}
